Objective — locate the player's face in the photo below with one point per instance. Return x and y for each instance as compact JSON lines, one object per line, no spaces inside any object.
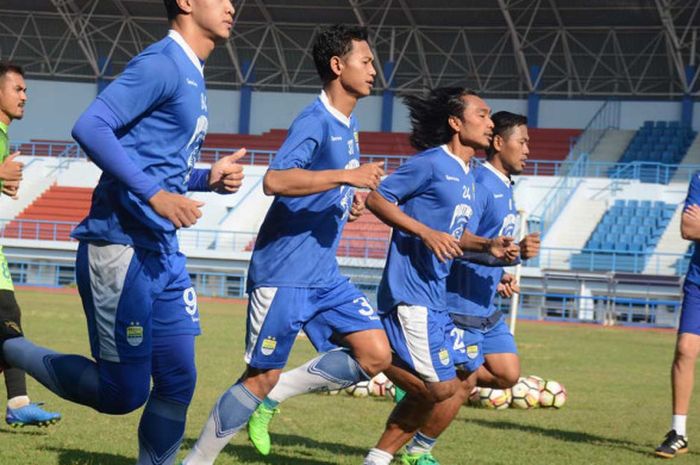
{"x":476,"y":128}
{"x":215,"y":17}
{"x":13,"y":96}
{"x":515,"y":150}
{"x":357,"y":69}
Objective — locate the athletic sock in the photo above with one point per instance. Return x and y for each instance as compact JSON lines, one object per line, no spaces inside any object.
{"x":269,"y":403}
{"x":229,"y":415}
{"x":327,"y":372}
{"x":18,"y":402}
{"x":160,"y":431}
{"x":420,"y":444}
{"x":378,"y":457}
{"x":678,"y":423}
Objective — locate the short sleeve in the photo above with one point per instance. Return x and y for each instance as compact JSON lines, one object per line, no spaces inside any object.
{"x":409,"y":180}
{"x":693,"y":197}
{"x":300,"y":146}
{"x":147,"y":81}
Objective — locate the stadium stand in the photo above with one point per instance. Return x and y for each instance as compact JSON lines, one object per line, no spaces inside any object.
{"x":626,"y":233}
{"x":367,"y":237}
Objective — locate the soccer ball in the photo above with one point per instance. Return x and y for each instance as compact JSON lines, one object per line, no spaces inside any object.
{"x":526,"y":394}
{"x":361,"y":389}
{"x":494,"y":398}
{"x":474,"y":399}
{"x":382,"y":386}
{"x":553,"y":395}
{"x":537,"y":381}
{"x":333,"y":392}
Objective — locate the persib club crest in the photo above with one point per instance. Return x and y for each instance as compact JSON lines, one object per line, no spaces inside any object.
{"x":268,"y":345}
{"x":472,"y":352}
{"x":444,"y":356}
{"x":134,"y":334}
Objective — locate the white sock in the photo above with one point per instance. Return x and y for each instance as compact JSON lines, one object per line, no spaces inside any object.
{"x":378,"y":457}
{"x":327,"y":372}
{"x":18,"y":402}
{"x":678,"y":423}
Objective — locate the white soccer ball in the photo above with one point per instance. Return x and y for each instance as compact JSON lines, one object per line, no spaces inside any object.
{"x":553,"y":395}
{"x":361,"y":389}
{"x":526,"y":394}
{"x":537,"y":381}
{"x":474,"y":399}
{"x":497,"y":399}
{"x":382,"y":386}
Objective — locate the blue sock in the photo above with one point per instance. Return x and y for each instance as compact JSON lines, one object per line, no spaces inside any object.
{"x":339,"y":367}
{"x":160,"y":431}
{"x":269,"y":403}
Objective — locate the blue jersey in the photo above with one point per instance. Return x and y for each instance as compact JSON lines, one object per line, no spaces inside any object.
{"x":160,"y":105}
{"x":693,"y":198}
{"x":297,"y":242}
{"x":471,"y":288}
{"x":436,"y":188}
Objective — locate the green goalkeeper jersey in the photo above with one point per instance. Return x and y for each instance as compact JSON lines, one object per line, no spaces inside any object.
{"x":5,"y":277}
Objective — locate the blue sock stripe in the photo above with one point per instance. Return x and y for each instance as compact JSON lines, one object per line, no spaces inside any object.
{"x":338,"y":367}
{"x":424,"y":440}
{"x":269,"y":403}
{"x":233,"y":409}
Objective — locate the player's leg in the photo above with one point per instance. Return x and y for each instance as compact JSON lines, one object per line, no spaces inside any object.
{"x":683,"y":372}
{"x":20,"y":410}
{"x":501,"y":369}
{"x":275,"y":316}
{"x":420,"y":339}
{"x":116,"y":297}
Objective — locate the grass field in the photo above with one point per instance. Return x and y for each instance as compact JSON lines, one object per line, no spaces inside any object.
{"x":618,"y":407}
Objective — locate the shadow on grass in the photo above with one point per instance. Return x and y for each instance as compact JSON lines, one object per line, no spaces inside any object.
{"x":24,"y":431}
{"x":68,"y":456}
{"x":564,"y":435}
{"x":246,"y":453}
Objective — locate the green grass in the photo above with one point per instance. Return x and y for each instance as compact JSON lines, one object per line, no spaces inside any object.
{"x":617,"y":412}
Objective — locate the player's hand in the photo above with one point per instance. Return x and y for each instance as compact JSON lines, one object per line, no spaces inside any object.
{"x":530,"y":246}
{"x":358,"y":207}
{"x":692,"y":212}
{"x":180,"y":210}
{"x":504,"y":247}
{"x":366,"y":176}
{"x":443,"y":245}
{"x":10,"y":188}
{"x":507,"y":286}
{"x":226,"y":175}
{"x":11,"y":170}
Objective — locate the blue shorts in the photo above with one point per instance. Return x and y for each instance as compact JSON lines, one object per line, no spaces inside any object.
{"x":478,"y":343}
{"x":690,"y":311}
{"x":424,"y":339}
{"x":277,"y":314}
{"x":131,"y":295}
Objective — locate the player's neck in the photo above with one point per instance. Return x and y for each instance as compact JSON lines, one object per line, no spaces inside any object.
{"x":496,"y":163}
{"x":462,"y":151}
{"x":339,"y":98}
{"x":201,"y":44}
{"x":5,"y":118}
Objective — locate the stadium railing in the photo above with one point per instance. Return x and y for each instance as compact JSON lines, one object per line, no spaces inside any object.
{"x":607,"y":260}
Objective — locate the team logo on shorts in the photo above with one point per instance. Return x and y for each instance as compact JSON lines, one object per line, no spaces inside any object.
{"x":472,"y":351}
{"x":268,"y":345}
{"x":134,"y":335}
{"x":444,"y":356}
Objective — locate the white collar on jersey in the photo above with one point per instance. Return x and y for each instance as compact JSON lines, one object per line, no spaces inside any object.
{"x":464,"y":166}
{"x":173,"y":34}
{"x":332,"y":110}
{"x":506,"y":179}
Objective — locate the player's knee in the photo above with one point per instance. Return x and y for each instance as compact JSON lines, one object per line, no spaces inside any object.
{"x":375,"y":363}
{"x":443,"y":390}
{"x":687,"y":348}
{"x":120,"y":402}
{"x":178,"y":387}
{"x":508,"y":379}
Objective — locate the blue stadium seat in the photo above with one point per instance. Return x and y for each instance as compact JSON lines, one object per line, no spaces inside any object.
{"x":632,"y":204}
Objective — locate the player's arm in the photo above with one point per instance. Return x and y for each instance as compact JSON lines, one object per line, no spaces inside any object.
{"x":530,"y":246}
{"x":357,"y":209}
{"x":297,"y":182}
{"x":443,"y":245}
{"x":224,"y":177}
{"x":690,"y":223}
{"x":499,"y":251}
{"x":11,"y":170}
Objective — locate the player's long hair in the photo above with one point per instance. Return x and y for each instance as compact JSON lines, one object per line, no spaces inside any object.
{"x":430,"y":114}
{"x":334,"y":41}
{"x":503,"y":124}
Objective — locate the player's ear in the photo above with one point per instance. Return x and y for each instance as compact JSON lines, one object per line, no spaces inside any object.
{"x":336,"y":65}
{"x":498,"y":143}
{"x":185,"y":5}
{"x":455,"y":123}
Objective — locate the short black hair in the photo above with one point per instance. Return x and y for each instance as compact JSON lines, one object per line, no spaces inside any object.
{"x":172,"y":9}
{"x":503,"y":124}
{"x":334,"y":41}
{"x":430,"y":114}
{"x":6,"y":67}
